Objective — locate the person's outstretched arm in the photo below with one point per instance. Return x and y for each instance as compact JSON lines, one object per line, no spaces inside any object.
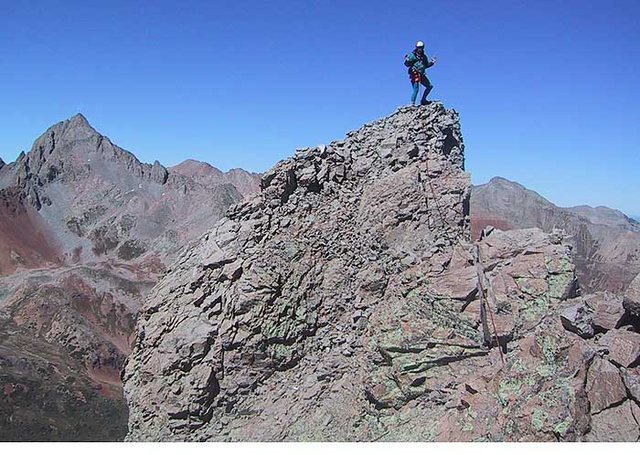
{"x":431,"y":62}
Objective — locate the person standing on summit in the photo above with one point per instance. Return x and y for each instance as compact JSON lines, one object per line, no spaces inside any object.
{"x":418,"y":62}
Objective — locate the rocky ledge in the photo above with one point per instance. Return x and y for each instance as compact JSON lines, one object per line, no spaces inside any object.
{"x":346,"y":301}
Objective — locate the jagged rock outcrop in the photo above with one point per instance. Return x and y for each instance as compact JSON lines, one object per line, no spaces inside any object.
{"x":346,"y":301}
{"x":632,"y":297}
{"x":309,"y":253}
{"x":606,"y":243}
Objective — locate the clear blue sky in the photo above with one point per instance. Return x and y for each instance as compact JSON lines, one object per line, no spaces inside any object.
{"x":547,"y":90}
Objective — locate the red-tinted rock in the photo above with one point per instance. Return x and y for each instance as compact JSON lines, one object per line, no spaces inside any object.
{"x":608,"y":312}
{"x":460,"y":284}
{"x":604,"y":385}
{"x":623,"y":346}
{"x":616,"y":424}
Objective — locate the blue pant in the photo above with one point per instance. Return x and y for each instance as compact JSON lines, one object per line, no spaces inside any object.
{"x":424,"y":80}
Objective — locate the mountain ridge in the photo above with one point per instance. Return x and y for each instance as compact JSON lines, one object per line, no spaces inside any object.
{"x":346,"y":302}
{"x":606,"y":241}
{"x":586,"y":211}
{"x":86,"y":230}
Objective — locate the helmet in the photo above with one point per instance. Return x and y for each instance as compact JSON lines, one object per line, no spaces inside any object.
{"x":419,"y":44}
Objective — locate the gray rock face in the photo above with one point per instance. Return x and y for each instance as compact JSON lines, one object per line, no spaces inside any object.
{"x":632,"y":297}
{"x":631,"y":379}
{"x":347,"y":302}
{"x":578,"y":318}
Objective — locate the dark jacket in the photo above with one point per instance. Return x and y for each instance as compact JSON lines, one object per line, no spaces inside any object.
{"x":417,"y":61}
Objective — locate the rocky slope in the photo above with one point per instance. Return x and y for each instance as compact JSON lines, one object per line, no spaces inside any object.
{"x":85,"y":231}
{"x":346,"y":301}
{"x":606,"y":243}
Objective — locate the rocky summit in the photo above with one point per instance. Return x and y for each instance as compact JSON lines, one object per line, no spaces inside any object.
{"x":347,"y":302}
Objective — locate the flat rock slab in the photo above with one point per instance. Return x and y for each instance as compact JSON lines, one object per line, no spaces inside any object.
{"x":608,"y":310}
{"x":632,"y":297}
{"x":617,"y":424}
{"x":604,"y":385}
{"x":459,"y":284}
{"x":623,"y":346}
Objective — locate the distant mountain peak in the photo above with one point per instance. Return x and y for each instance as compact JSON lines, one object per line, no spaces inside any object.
{"x":208,"y":175}
{"x":600,"y":232}
{"x":498,"y":188}
{"x":79,"y":119}
{"x":78,"y":125}
{"x":504,"y":182}
{"x":76,"y":128}
{"x":498,"y":179}
{"x":191,"y":167}
{"x":191,"y":161}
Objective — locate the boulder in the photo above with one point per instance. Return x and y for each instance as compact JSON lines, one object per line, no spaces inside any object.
{"x":617,"y":424}
{"x":632,"y":297}
{"x":608,"y":312}
{"x":578,"y":318}
{"x":622,"y":346}
{"x":604,"y":385}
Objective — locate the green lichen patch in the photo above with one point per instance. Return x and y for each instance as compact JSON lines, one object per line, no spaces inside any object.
{"x":534,"y":309}
{"x":559,"y":285}
{"x":562,"y":427}
{"x":546,"y":370}
{"x":538,"y":419}
{"x":510,"y":387}
{"x":510,"y":427}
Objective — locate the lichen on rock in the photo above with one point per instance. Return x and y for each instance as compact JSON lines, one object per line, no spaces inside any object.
{"x":347,"y":302}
